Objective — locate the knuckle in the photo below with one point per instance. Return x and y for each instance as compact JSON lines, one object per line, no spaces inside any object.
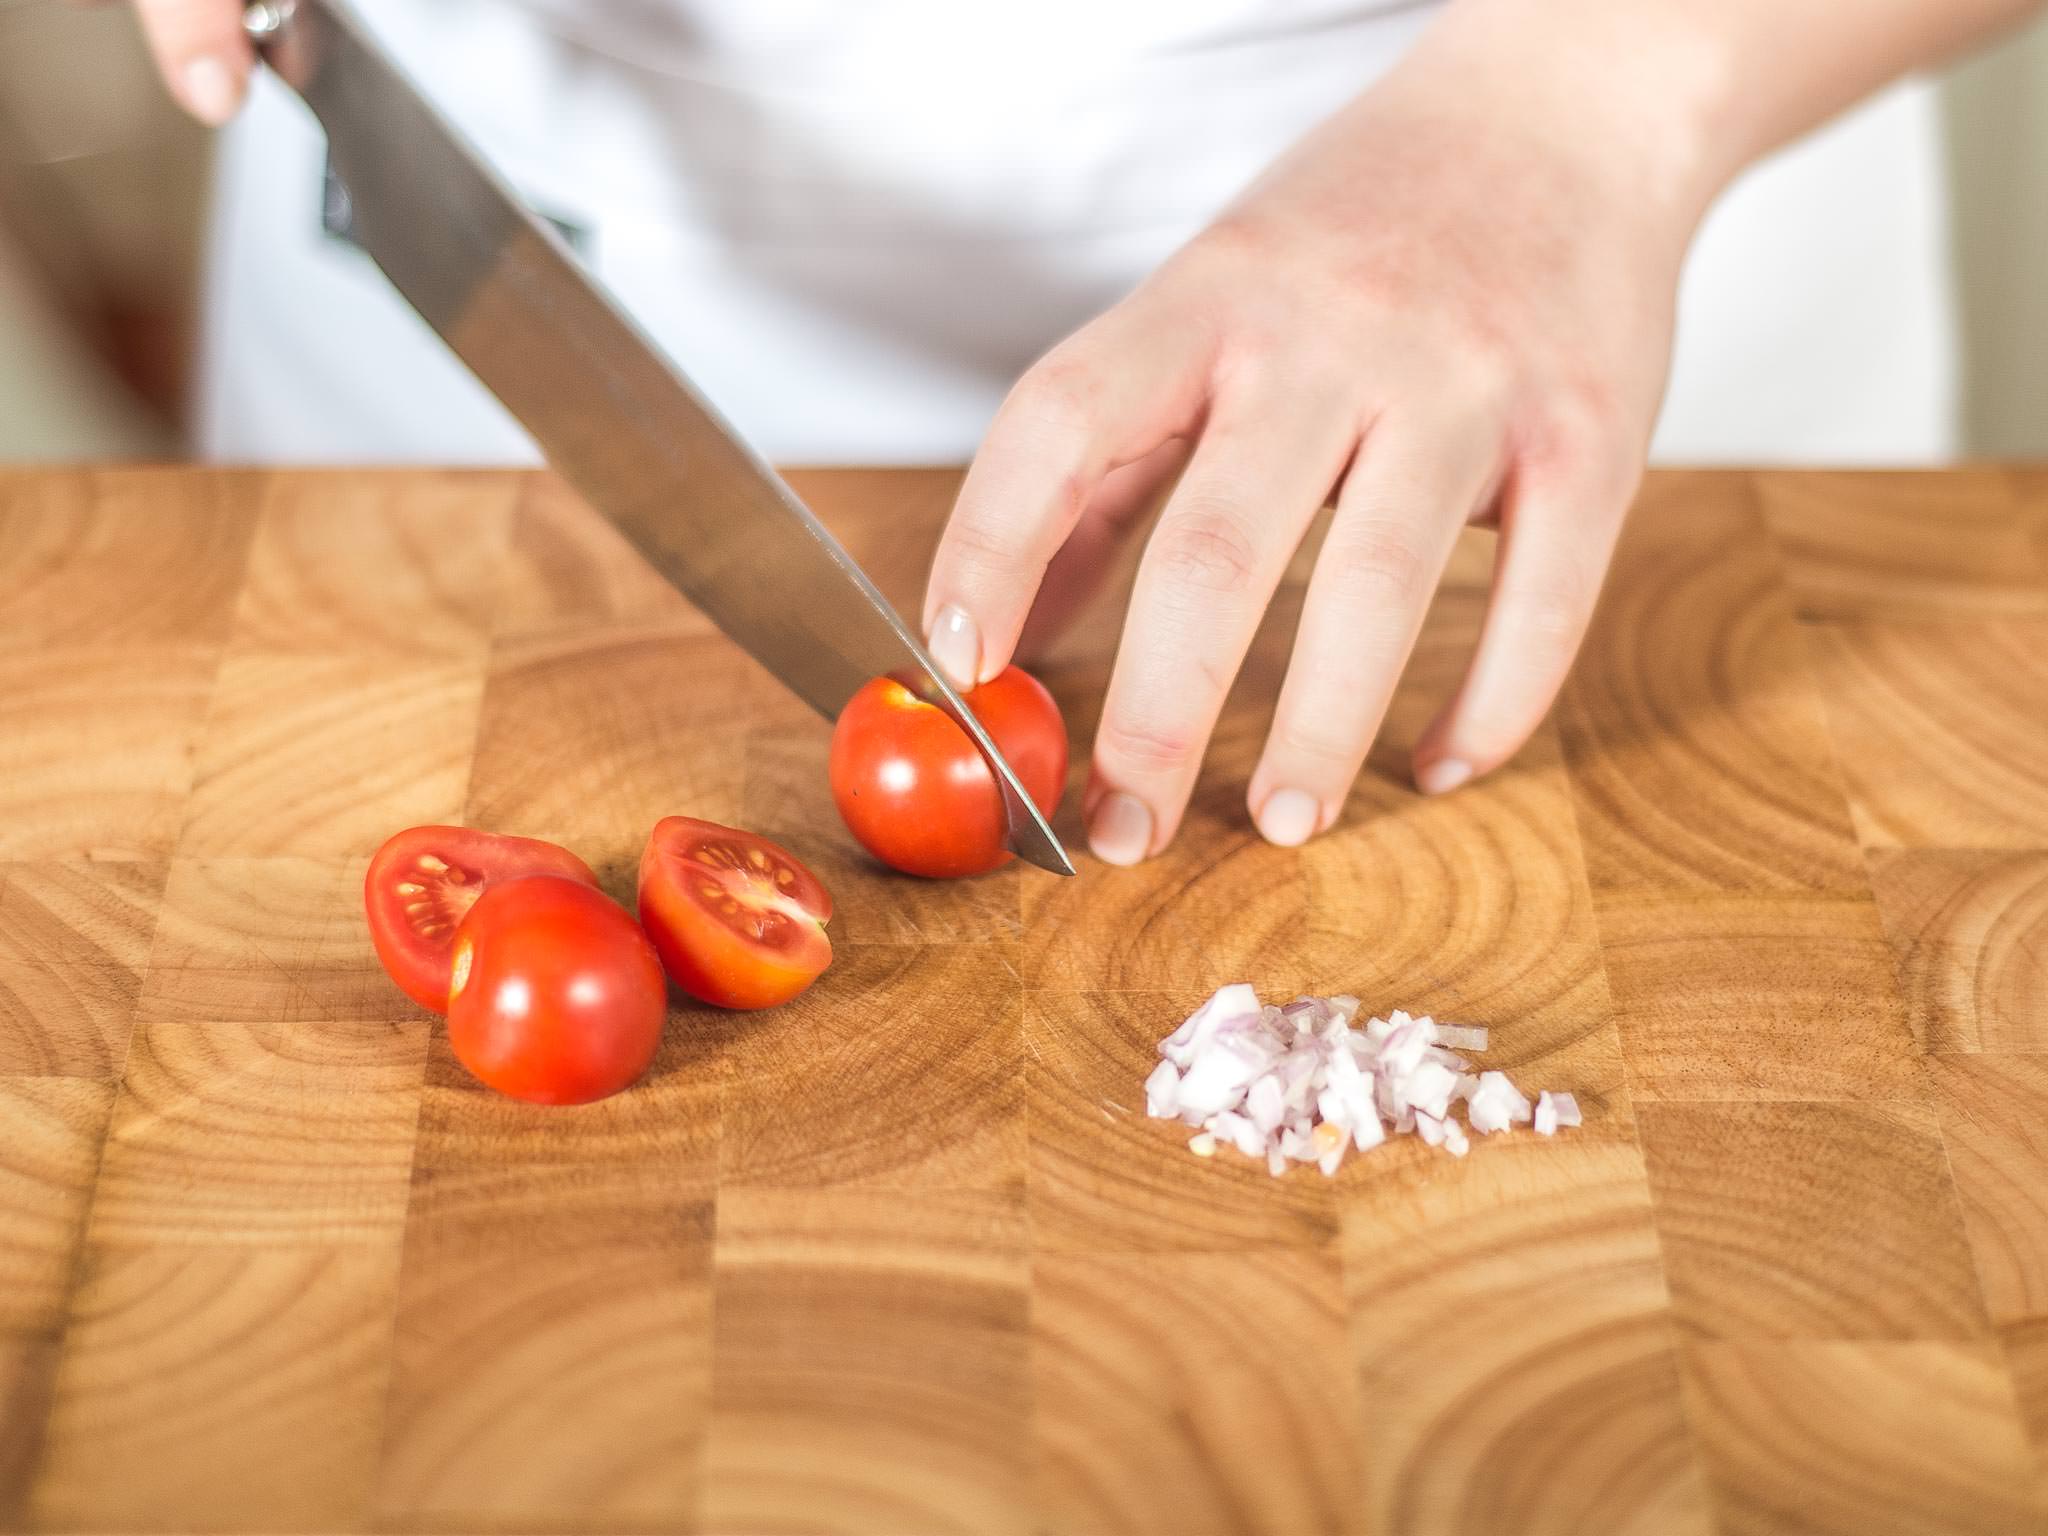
{"x":977,"y":543}
{"x":1378,"y":564}
{"x":1235,"y":241}
{"x":1208,"y":550}
{"x":1059,"y":393}
{"x":1306,"y":740}
{"x":1550,"y":616}
{"x":1144,"y":745}
{"x":1580,"y":427}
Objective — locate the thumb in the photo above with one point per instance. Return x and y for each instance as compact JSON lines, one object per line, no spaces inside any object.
{"x":201,"y":52}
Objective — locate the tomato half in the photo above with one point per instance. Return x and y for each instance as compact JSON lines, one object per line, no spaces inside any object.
{"x":422,"y":883}
{"x":737,"y":920}
{"x":556,"y":995}
{"x":913,"y":787}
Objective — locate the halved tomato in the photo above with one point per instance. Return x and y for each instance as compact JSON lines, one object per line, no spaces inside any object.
{"x":422,"y":883}
{"x":736,"y":920}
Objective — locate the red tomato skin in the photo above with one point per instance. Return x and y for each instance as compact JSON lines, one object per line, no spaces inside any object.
{"x":702,"y":954}
{"x":557,"y":996}
{"x":913,"y":789}
{"x":419,"y":965}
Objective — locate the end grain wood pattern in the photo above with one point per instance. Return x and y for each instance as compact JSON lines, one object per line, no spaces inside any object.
{"x":1770,"y":892}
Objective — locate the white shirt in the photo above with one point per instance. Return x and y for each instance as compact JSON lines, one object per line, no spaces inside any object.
{"x":854,"y":224}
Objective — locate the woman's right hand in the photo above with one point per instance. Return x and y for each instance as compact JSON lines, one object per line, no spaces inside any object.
{"x":201,"y":52}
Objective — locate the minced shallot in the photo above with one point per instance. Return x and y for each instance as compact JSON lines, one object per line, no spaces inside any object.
{"x":1299,"y":1084}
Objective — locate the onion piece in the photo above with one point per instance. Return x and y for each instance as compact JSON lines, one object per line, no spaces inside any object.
{"x":1264,"y":1106}
{"x":1300,"y":1082}
{"x":1187,"y":1042}
{"x":1462,"y":1037}
{"x":1162,"y":1092}
{"x":1495,"y":1105}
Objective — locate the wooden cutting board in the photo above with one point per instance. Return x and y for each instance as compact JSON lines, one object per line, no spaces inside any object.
{"x":1770,"y":894}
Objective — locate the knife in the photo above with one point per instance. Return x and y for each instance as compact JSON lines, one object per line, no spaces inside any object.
{"x":618,"y":420}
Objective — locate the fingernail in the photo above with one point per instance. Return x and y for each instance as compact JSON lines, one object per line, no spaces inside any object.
{"x":1120,"y":831}
{"x":1289,"y":817}
{"x":210,"y":91}
{"x":955,"y":645}
{"x":1442,"y":776}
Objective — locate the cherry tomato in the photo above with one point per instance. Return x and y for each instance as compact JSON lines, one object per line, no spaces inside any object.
{"x":424,"y":881}
{"x":912,"y":786}
{"x":737,"y":921}
{"x":556,"y":996}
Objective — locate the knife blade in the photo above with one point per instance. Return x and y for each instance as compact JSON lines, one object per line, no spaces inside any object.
{"x":617,"y":419}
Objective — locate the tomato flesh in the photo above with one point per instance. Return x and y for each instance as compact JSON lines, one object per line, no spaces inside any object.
{"x":556,"y":995}
{"x":737,"y":920}
{"x":915,"y":790}
{"x":424,"y":881}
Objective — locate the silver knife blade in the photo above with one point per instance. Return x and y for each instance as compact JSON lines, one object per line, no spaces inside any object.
{"x":618,"y":420}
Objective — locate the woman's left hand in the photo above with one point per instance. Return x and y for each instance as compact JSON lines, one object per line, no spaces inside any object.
{"x":1452,"y":301}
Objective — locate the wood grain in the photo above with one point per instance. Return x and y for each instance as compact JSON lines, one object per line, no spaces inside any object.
{"x":1908,"y":1439}
{"x":906,"y":1256}
{"x":218,"y":1388}
{"x":1204,"y":1393}
{"x":96,"y":748}
{"x":64,"y":1021}
{"x":1774,"y":1217}
{"x":870,"y":1364}
{"x":1885,"y":545}
{"x":265,"y":941}
{"x":1568,"y":1417}
{"x":54,"y":1128}
{"x":1700,"y":758}
{"x":565,"y":1306}
{"x":269,"y":1135}
{"x":909,"y":1077}
{"x":591,"y":736}
{"x":438,"y":544}
{"x":122,"y":557}
{"x":1994,"y":1120}
{"x":1970,"y":931}
{"x":1939,"y":729}
{"x":314,"y":755}
{"x":1757,"y":998}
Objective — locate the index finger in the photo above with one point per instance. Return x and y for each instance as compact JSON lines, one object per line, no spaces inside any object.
{"x":1110,"y":394}
{"x":201,"y":52}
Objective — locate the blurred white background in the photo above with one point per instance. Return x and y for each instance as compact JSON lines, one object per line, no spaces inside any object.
{"x":104,"y":191}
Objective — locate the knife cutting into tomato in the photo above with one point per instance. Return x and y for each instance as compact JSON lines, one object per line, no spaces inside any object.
{"x":617,"y":418}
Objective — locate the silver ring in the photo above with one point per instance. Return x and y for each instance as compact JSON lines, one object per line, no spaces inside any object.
{"x":263,"y":20}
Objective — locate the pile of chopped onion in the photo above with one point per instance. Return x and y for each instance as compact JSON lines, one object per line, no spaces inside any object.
{"x":1298,"y":1084}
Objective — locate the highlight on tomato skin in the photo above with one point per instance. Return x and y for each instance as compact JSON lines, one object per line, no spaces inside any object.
{"x":555,"y":995}
{"x":423,"y":881}
{"x":916,"y":792}
{"x":737,"y":920}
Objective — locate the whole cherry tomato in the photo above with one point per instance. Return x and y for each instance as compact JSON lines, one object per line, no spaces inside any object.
{"x":912,"y":786}
{"x":423,"y":882}
{"x":556,"y":996}
{"x":737,"y":920}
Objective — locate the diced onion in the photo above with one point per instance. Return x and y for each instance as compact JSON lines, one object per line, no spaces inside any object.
{"x":1300,"y":1083}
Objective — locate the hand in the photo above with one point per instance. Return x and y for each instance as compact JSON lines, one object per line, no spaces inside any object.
{"x":1451,"y":302}
{"x":201,"y":53}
